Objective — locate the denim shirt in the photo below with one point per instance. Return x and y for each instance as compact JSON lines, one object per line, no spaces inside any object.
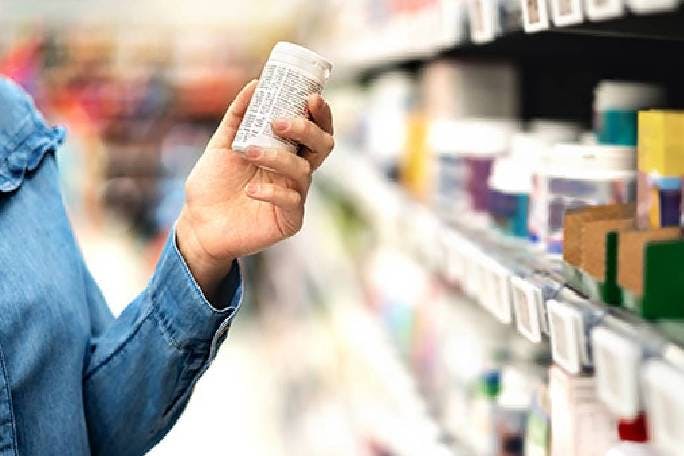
{"x":73,"y":379}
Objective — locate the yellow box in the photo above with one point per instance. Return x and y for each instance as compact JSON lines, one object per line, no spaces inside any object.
{"x":661,"y":142}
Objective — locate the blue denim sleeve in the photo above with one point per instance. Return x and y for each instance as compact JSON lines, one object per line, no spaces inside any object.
{"x":144,"y":364}
{"x":138,"y":370}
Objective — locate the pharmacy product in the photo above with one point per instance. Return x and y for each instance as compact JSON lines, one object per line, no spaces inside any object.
{"x":661,"y":169}
{"x":538,"y":431}
{"x":616,"y":104}
{"x":480,"y":142}
{"x":663,"y":385}
{"x":581,"y":425}
{"x":290,"y":75}
{"x":390,"y":98}
{"x":510,"y":182}
{"x":466,"y":89}
{"x":510,"y":187}
{"x":617,"y":359}
{"x":577,"y":175}
{"x":652,"y":6}
{"x":633,"y":436}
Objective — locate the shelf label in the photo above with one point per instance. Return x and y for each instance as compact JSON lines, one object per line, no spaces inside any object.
{"x":497,"y":290}
{"x":424,"y":235}
{"x":455,"y":260}
{"x":663,"y":386}
{"x":605,"y":9}
{"x":567,"y":12}
{"x":535,"y":15}
{"x":473,"y":275}
{"x":528,"y":305}
{"x":616,"y":361}
{"x":566,"y":325}
{"x":484,"y":18}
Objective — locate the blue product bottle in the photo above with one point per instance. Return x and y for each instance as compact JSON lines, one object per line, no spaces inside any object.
{"x":670,"y":193}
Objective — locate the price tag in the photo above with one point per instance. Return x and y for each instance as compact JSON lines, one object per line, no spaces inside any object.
{"x":616,"y":362}
{"x":499,"y":287}
{"x":652,"y":6}
{"x":425,"y":232}
{"x":455,"y":261}
{"x":566,"y":325}
{"x":472,"y":272}
{"x":528,"y":305}
{"x":484,"y":18}
{"x":567,"y":12}
{"x":535,"y":15}
{"x":663,"y":386}
{"x":599,"y":10}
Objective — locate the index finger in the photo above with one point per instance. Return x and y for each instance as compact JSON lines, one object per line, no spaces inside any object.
{"x":225,"y":133}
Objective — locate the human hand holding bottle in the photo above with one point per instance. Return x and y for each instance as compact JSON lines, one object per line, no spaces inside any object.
{"x":238,"y":204}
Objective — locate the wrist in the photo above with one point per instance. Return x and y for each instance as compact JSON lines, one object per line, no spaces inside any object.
{"x":207,"y":270}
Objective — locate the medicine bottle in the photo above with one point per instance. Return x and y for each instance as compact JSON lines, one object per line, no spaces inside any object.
{"x":291,"y":74}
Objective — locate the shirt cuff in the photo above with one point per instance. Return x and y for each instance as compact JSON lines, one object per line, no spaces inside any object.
{"x":184,"y":312}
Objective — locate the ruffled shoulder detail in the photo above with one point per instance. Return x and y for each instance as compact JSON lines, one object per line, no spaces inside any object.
{"x":25,"y":137}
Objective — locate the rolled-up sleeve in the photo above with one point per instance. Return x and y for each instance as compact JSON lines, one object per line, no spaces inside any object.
{"x":144,"y":364}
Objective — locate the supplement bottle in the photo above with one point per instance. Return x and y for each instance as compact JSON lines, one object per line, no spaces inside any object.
{"x":290,"y":75}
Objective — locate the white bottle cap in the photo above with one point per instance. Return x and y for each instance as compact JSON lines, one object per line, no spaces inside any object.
{"x":512,"y":176}
{"x":555,"y":131}
{"x":483,"y":137}
{"x":303,"y":58}
{"x":589,"y":162}
{"x":627,"y":95}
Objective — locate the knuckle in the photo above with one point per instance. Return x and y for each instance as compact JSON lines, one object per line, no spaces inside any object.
{"x":272,"y":155}
{"x":307,"y":128}
{"x":330,"y":142}
{"x":298,"y":127}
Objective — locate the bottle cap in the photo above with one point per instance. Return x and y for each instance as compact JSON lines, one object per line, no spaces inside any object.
{"x":633,"y":430}
{"x":580,"y":161}
{"x":303,"y":58}
{"x":627,"y":95}
{"x":491,"y":384}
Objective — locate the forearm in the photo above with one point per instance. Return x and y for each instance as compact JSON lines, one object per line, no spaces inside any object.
{"x":144,"y":364}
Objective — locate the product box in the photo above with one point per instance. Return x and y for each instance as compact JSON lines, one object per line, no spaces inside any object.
{"x":616,"y":216}
{"x":650,"y":272}
{"x":599,"y":258}
{"x":661,"y":168}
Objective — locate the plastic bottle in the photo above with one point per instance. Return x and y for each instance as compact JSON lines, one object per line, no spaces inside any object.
{"x":290,"y":75}
{"x":670,"y":197}
{"x":578,"y":175}
{"x":616,"y":104}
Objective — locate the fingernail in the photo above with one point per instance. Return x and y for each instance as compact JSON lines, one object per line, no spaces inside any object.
{"x":281,"y":125}
{"x":252,"y":188}
{"x":254,"y":152}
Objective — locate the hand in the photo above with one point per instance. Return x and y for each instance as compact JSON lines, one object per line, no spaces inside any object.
{"x":238,"y":204}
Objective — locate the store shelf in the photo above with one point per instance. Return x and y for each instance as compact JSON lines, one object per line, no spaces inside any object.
{"x":660,"y":32}
{"x":516,"y":283}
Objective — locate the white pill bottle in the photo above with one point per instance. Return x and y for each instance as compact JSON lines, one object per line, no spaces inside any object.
{"x":290,"y":75}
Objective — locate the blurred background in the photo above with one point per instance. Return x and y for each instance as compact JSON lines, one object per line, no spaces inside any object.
{"x":353,"y":340}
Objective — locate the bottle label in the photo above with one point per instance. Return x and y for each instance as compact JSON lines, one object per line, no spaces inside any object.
{"x":281,"y":93}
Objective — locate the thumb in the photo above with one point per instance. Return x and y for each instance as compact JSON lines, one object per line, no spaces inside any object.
{"x":225,"y":133}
